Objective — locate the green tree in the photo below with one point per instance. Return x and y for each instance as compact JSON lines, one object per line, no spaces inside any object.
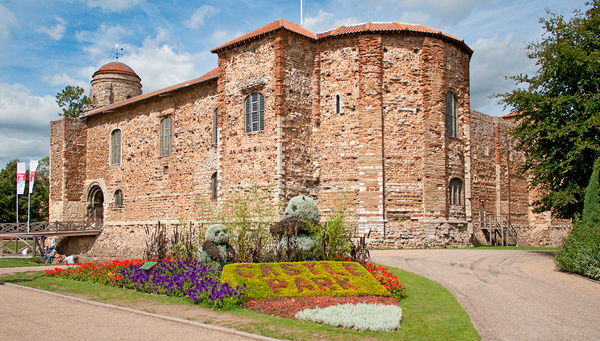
{"x":558,"y":120}
{"x":72,"y":102}
{"x":39,"y":197}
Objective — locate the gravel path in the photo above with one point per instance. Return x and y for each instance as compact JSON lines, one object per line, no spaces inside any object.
{"x":31,"y":314}
{"x":510,"y":295}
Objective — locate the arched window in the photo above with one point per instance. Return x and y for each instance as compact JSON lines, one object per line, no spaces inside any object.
{"x":255,"y":112}
{"x":455,"y":192}
{"x":338,"y":104}
{"x":451,"y":122}
{"x":118,"y":198}
{"x":166,"y":136}
{"x":115,"y":147}
{"x":216,"y":126}
{"x":213,"y":187}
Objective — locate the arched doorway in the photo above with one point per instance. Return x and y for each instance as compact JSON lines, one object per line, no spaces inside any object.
{"x":95,"y":205}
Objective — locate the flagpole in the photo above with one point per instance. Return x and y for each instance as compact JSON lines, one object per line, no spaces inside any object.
{"x":301,"y":14}
{"x":28,"y":209}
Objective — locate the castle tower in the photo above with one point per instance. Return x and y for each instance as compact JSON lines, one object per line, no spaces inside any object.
{"x":114,"y":82}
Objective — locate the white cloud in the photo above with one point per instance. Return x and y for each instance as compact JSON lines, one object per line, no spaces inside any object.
{"x":201,"y":13}
{"x":7,"y":20}
{"x":493,"y":60}
{"x":324,"y":22}
{"x":446,"y":12}
{"x":63,"y":79}
{"x":415,"y":17}
{"x":25,"y":129}
{"x":55,"y":32}
{"x":101,"y":41}
{"x":159,"y":64}
{"x":320,"y":23}
{"x":113,"y":5}
{"x":220,"y":37}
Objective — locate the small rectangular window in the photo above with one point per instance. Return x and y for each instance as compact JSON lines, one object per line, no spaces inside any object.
{"x":216,"y":127}
{"x":166,"y":136}
{"x":115,"y":147}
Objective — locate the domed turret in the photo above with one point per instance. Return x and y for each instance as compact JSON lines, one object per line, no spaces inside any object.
{"x":114,"y":82}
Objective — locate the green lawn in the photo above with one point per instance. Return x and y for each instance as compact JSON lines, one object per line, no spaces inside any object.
{"x":19,"y":262}
{"x":430,"y":311}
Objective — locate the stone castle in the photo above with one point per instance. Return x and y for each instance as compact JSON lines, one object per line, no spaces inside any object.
{"x":378,"y":112}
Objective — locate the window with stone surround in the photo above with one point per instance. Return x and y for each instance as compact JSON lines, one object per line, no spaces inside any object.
{"x":118,"y":198}
{"x":338,"y":104}
{"x":456,"y":191}
{"x":451,"y":121}
{"x":166,"y":136}
{"x":213,"y":186}
{"x":254,"y":106}
{"x":216,"y":127}
{"x":115,"y":147}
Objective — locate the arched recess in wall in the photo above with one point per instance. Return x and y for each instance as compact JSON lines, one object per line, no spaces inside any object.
{"x":95,"y":206}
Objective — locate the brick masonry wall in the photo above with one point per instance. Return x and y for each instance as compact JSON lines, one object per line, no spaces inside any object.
{"x":243,"y":70}
{"x":153,"y":186}
{"x":67,"y":169}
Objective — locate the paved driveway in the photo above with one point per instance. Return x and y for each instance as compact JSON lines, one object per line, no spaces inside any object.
{"x":510,"y":295}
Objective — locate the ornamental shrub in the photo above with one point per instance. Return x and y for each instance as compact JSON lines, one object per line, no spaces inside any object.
{"x":360,"y":316}
{"x":580,"y":252}
{"x":303,"y":208}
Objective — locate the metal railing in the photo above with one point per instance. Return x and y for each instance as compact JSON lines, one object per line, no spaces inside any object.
{"x":46,"y":226}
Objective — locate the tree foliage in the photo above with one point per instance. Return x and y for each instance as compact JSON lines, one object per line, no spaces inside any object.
{"x":558,"y":110}
{"x":39,"y":197}
{"x":72,"y":102}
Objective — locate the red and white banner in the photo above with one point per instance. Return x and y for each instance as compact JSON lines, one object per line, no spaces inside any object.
{"x":32,"y":167}
{"x":20,"y":178}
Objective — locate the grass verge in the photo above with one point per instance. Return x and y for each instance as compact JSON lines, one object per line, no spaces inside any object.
{"x":430,"y":311}
{"x":18,"y":262}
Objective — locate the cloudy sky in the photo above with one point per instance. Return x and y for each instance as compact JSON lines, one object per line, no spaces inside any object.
{"x":46,"y":45}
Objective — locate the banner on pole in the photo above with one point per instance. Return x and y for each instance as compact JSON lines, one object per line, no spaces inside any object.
{"x":20,"y":178}
{"x":32,"y":167}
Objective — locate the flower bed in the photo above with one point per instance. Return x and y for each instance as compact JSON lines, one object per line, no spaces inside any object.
{"x":387,"y":279}
{"x":288,"y":307}
{"x":267,"y":280}
{"x":198,"y":281}
{"x":361,"y":316}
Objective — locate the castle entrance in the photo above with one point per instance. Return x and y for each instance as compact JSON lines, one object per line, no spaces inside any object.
{"x":95,"y":208}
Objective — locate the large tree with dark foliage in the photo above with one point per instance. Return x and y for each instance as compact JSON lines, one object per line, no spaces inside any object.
{"x":558,"y":110}
{"x":39,"y":197}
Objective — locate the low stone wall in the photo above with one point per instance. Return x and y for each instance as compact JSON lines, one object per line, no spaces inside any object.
{"x":426,"y":235}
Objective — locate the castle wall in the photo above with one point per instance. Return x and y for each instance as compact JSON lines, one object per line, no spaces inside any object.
{"x":336,"y":136}
{"x":353,"y":120}
{"x":155,"y":187}
{"x":243,"y":70}
{"x":67,"y":169}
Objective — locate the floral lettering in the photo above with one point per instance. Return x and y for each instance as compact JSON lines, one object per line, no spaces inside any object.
{"x":350,"y":268}
{"x":302,"y":283}
{"x":324,"y":283}
{"x":238,"y":270}
{"x":275,"y":284}
{"x":311,"y":268}
{"x":266,"y":270}
{"x":291,"y":270}
{"x":343,"y":282}
{"x":331,"y":272}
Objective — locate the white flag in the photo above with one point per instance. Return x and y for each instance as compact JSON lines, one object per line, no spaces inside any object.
{"x":32,"y":167}
{"x":20,"y":178}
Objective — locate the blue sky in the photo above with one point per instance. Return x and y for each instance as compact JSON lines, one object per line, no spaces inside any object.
{"x":46,"y":45}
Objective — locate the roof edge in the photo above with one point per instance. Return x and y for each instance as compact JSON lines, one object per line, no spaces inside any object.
{"x":212,"y":74}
